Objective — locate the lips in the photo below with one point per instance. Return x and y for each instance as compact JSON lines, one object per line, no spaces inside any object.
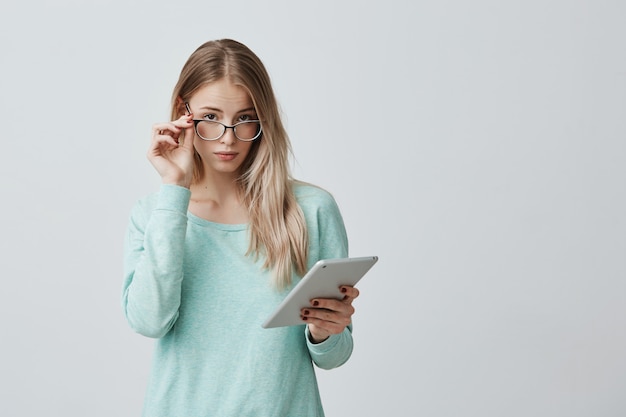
{"x":226,"y":156}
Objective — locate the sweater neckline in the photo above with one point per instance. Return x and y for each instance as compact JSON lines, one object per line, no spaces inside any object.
{"x":220,"y":226}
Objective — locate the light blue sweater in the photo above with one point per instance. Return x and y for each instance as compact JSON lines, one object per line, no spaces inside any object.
{"x":189,"y":284}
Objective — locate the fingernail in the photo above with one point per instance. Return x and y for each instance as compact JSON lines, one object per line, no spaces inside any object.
{"x":345,"y":297}
{"x":315,"y":303}
{"x":344,"y":289}
{"x":304,"y":318}
{"x":306,"y":312}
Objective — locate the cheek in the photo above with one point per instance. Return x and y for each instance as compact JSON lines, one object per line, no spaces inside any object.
{"x":247,"y":148}
{"x":203,"y":146}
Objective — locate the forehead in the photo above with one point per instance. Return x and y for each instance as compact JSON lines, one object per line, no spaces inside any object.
{"x":223,"y":95}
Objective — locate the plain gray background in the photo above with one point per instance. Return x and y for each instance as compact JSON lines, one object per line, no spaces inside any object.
{"x":478,"y":148}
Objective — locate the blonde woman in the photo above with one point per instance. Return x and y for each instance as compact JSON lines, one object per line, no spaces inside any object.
{"x":215,"y":250}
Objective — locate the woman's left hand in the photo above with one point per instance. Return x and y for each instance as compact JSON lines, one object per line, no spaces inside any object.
{"x":329,"y":316}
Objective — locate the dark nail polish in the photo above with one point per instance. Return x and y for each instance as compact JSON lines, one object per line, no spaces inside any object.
{"x":306,"y":312}
{"x":344,"y":289}
{"x":316,"y":303}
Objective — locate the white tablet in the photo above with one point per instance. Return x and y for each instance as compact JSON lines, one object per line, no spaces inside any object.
{"x":322,"y":281}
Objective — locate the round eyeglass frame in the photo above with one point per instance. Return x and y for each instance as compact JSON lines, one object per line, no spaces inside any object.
{"x":196,"y":122}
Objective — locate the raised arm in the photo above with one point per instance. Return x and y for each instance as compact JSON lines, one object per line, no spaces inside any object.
{"x":155,"y":239}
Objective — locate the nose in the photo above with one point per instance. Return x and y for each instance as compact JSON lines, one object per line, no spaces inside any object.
{"x":229,"y":138}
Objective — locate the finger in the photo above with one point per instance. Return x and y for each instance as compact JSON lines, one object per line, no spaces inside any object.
{"x":350,"y":293}
{"x":323,"y":326}
{"x":319,"y":315}
{"x":174,"y":127}
{"x":336,"y":312}
{"x":333,"y":304}
{"x":165,"y":129}
{"x":162,"y":143}
{"x":183,"y":121}
{"x":186,"y":126}
{"x":188,"y":137}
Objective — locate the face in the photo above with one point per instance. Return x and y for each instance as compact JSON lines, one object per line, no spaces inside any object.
{"x":224,"y":102}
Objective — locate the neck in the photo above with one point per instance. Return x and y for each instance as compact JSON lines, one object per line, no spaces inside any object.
{"x":216,"y":198}
{"x":218,"y":188}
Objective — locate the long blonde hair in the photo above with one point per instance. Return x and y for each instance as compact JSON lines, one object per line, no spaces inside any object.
{"x":277,"y":226}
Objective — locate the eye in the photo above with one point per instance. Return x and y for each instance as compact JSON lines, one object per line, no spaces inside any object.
{"x":210,"y":116}
{"x":245,"y":118}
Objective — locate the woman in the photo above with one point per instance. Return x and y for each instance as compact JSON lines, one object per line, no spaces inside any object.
{"x":210,"y":255}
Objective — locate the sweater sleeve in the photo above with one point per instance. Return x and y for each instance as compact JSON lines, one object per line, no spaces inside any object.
{"x":153,"y":262}
{"x":332,"y":352}
{"x":329,"y":240}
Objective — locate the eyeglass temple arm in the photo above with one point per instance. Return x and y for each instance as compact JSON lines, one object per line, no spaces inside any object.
{"x":188,"y":108}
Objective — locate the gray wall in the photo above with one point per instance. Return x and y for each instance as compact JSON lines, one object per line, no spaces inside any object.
{"x":477,"y":147}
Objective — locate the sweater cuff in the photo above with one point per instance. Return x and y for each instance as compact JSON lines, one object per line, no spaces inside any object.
{"x":173,"y":198}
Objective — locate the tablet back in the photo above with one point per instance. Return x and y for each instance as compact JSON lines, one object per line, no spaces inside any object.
{"x":322,"y":281}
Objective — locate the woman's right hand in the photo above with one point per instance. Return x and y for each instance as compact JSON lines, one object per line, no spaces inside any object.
{"x":173,"y":158}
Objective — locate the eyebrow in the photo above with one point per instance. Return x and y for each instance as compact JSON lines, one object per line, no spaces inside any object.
{"x":215,"y":109}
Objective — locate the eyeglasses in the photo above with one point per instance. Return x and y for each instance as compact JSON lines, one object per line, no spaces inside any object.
{"x":245,"y":131}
